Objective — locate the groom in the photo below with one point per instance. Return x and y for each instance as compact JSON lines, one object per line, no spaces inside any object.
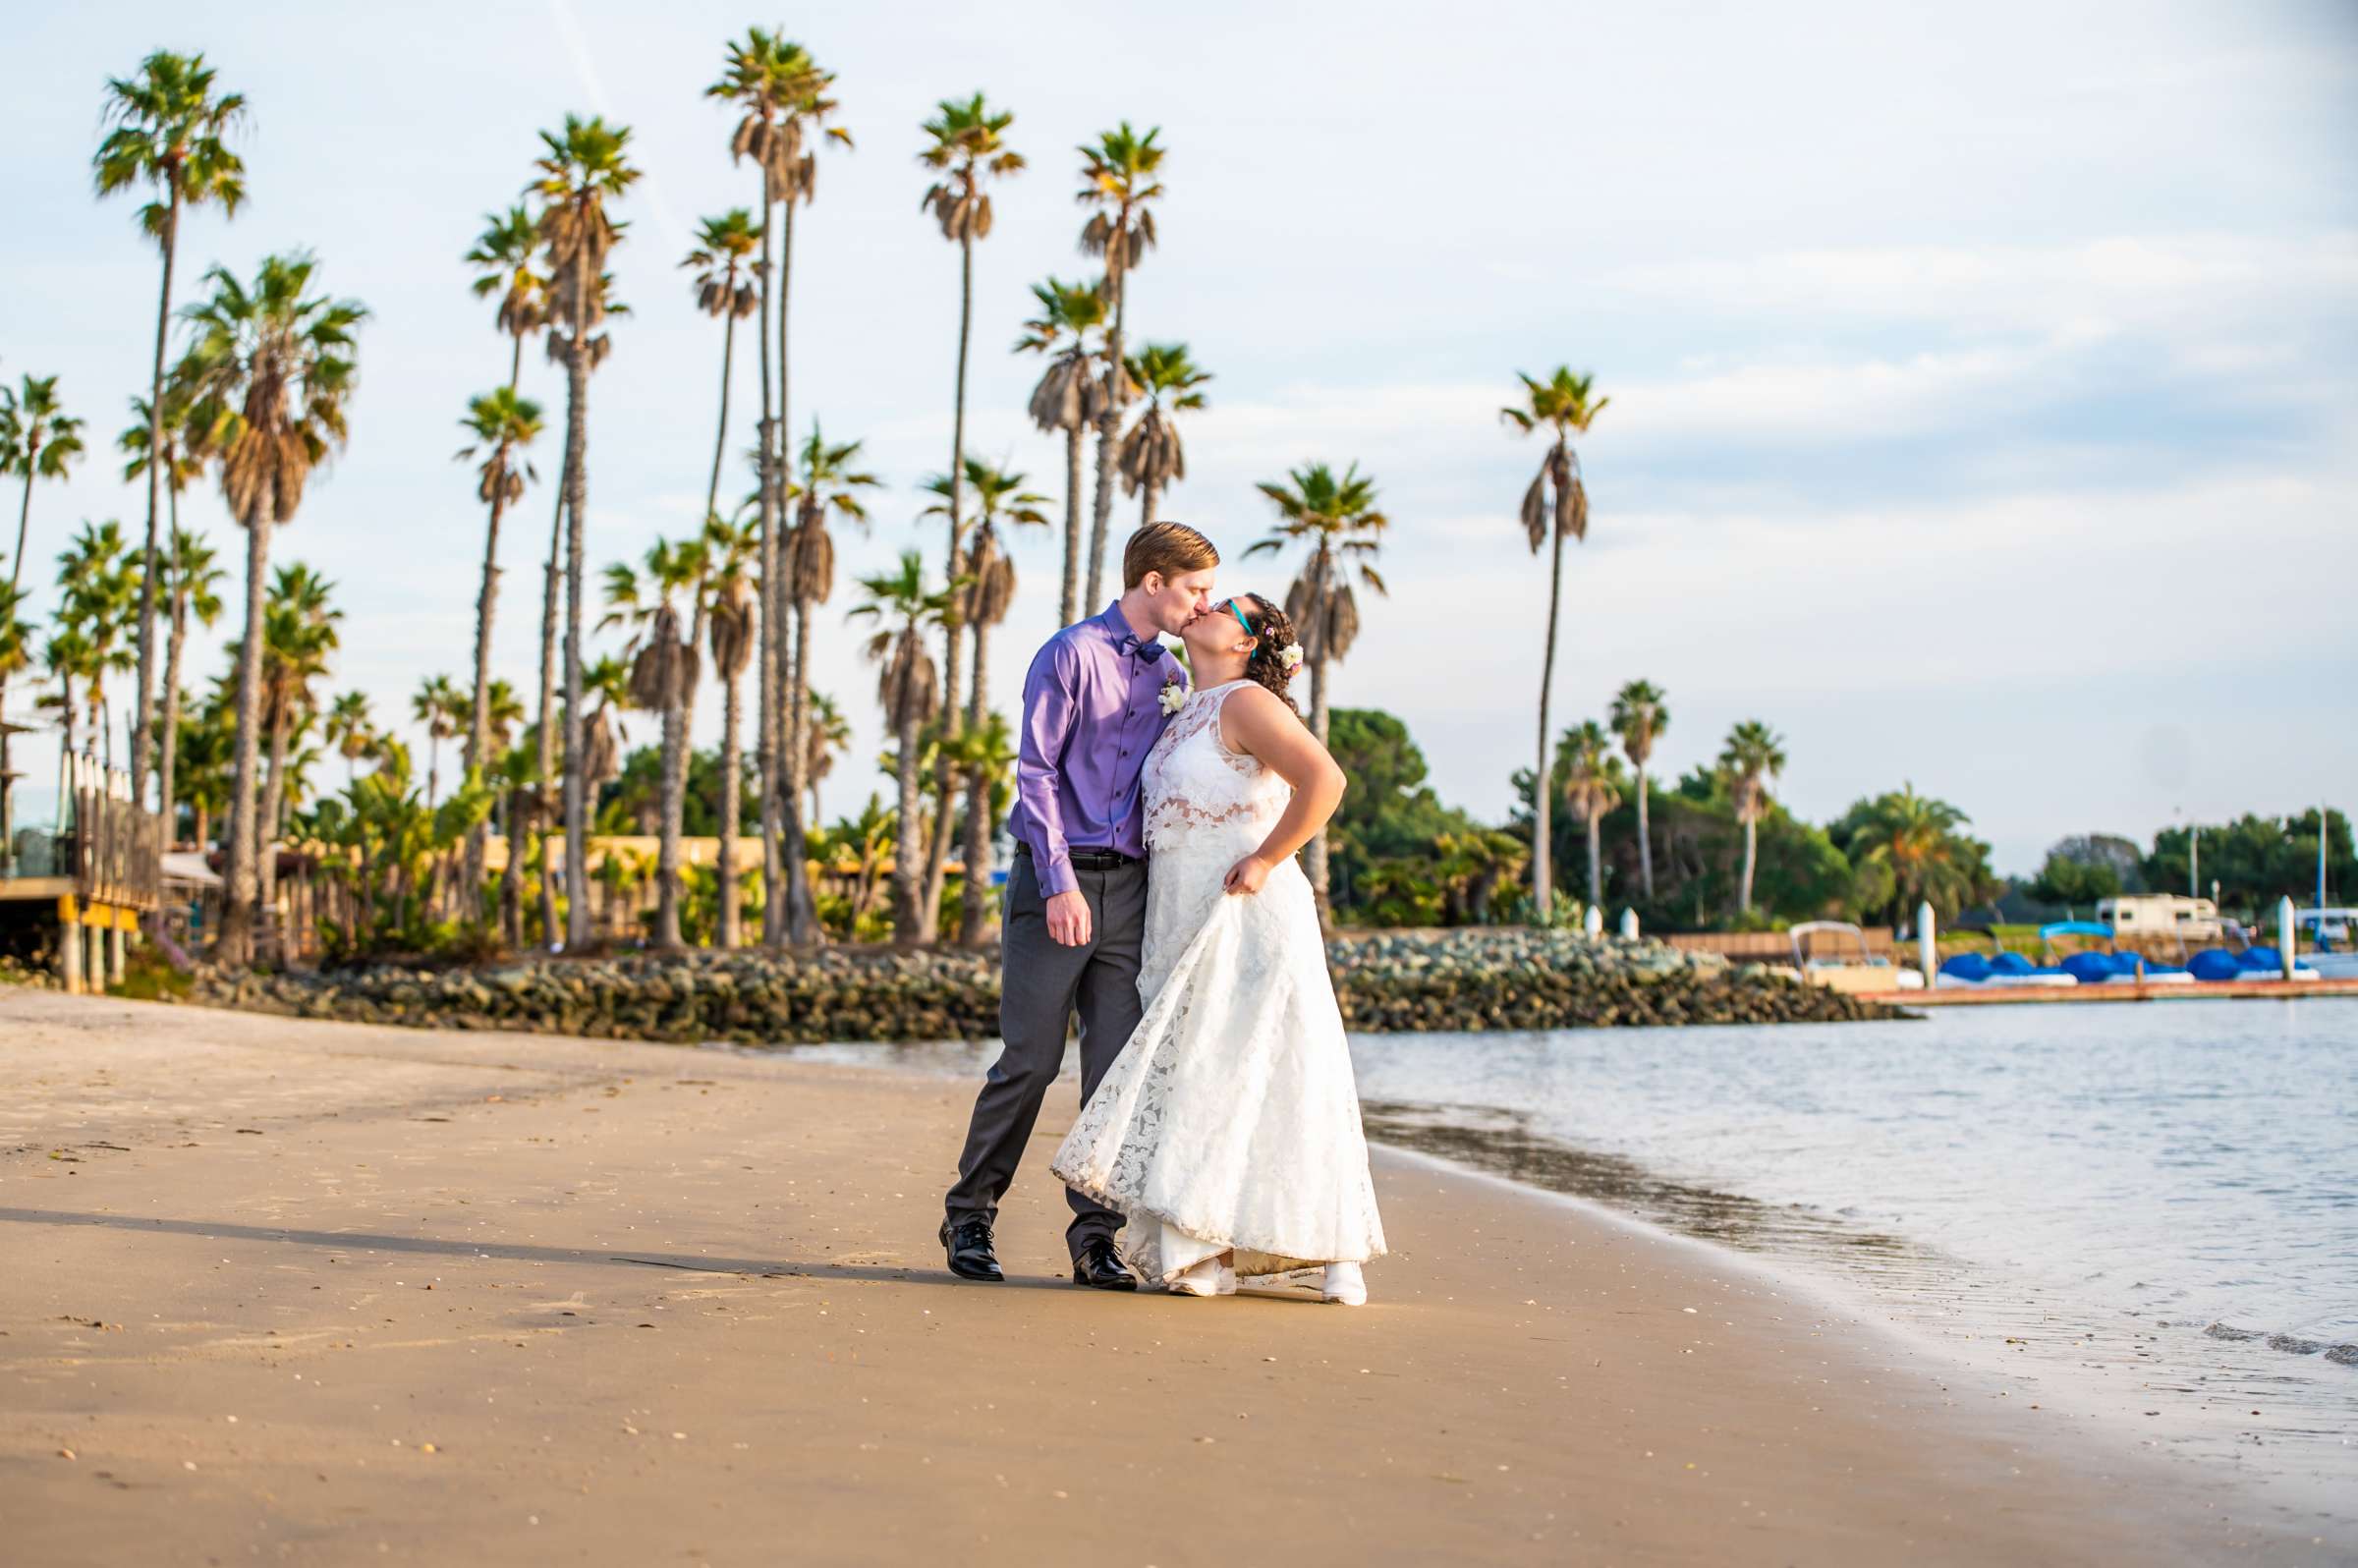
{"x":1076,"y":911}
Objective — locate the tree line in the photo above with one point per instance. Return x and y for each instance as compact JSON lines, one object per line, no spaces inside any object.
{"x":250,"y":386}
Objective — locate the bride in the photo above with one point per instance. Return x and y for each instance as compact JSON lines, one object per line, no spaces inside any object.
{"x":1227,"y":1132}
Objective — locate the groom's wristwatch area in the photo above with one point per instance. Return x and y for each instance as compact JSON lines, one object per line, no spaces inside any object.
{"x":1089,"y":859}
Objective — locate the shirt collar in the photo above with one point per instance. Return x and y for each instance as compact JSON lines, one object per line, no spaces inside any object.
{"x":1117,"y":625}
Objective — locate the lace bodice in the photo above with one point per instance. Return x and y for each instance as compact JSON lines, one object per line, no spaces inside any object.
{"x":1192,"y":781}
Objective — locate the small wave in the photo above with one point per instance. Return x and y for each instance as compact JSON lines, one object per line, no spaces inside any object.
{"x":2290,"y":1344}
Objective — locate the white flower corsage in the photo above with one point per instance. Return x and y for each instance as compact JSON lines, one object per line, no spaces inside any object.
{"x":1174,"y":696}
{"x":1289,"y":658}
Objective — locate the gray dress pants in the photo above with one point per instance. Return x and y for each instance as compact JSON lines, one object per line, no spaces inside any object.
{"x":1041,"y":985}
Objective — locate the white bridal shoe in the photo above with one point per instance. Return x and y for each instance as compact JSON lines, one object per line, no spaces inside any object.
{"x":1201,"y":1279}
{"x":1344,"y":1285}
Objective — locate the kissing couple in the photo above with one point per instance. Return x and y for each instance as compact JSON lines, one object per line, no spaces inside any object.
{"x":1154,"y":893}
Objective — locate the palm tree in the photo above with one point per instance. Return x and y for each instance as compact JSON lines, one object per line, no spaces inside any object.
{"x":966,"y":147}
{"x":1151,"y":456}
{"x":1067,"y":399}
{"x":38,"y":440}
{"x":1639,"y":719}
{"x":207,"y":747}
{"x":277,"y":367}
{"x":729,"y":634}
{"x":1591,"y":777}
{"x":1752,"y":757}
{"x":548,"y":755}
{"x":506,"y":710}
{"x":581,"y":169}
{"x":723,"y":246}
{"x":827,"y":482}
{"x":350,"y":732}
{"x":1563,"y":404}
{"x":664,"y":671}
{"x":830,"y":734}
{"x":1916,"y":836}
{"x":100,"y":592}
{"x":169,"y":134}
{"x":436,"y":704}
{"x":16,"y":655}
{"x":1000,"y":498}
{"x":193,"y":588}
{"x":66,"y":656}
{"x":1338,"y":520}
{"x":503,"y":261}
{"x":299,"y":632}
{"x":780,"y":93}
{"x":1118,"y":179}
{"x":500,"y":426}
{"x":910,"y":691}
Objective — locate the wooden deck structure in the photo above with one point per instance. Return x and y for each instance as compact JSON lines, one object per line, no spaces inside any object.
{"x":84,"y":883}
{"x":2199,"y":992}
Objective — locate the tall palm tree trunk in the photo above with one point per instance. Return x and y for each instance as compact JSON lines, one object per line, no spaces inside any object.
{"x":1595,"y":860}
{"x":793,"y":872}
{"x":169,"y":743}
{"x":1542,"y":788}
{"x":1109,"y":421}
{"x":908,"y":911}
{"x":975,"y":909}
{"x":236,"y":944}
{"x":479,"y":733}
{"x":274,"y":788}
{"x":144,"y":712}
{"x":1076,"y":442}
{"x":1751,"y":858}
{"x":16,"y":562}
{"x":667,"y":844}
{"x":720,"y":439}
{"x":768,"y":710}
{"x":1150,"y":499}
{"x":802,"y":913}
{"x":732,"y":803}
{"x":548,"y":714}
{"x":577,"y":486}
{"x":938,"y":854}
{"x":1645,"y":838}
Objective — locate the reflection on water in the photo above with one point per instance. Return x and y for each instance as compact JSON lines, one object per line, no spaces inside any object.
{"x":1502,"y":1142}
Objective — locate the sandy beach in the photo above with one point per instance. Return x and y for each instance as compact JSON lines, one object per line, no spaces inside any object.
{"x":316,"y":1292}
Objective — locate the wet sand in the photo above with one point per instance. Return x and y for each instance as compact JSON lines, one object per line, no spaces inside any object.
{"x":276,"y":1290}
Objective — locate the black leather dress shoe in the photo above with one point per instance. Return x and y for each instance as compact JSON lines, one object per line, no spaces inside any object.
{"x":1100,"y":1267}
{"x":968,"y":1245}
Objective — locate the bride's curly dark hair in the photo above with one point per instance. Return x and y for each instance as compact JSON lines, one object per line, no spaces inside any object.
{"x":1273,"y":633}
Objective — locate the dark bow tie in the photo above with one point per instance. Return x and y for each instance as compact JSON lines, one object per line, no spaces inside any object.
{"x":1147,"y":649}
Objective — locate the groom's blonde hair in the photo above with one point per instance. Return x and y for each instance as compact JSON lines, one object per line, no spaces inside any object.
{"x":1170,"y":548}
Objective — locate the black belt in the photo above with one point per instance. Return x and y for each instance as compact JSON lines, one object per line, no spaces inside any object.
{"x":1091,"y":859}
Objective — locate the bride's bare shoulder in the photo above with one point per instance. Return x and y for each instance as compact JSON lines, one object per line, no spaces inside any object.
{"x":1253,"y":718}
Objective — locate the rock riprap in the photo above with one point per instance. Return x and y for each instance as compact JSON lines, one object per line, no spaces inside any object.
{"x":1433,"y":982}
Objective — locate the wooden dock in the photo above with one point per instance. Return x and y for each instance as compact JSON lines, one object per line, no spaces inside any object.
{"x":2199,"y":992}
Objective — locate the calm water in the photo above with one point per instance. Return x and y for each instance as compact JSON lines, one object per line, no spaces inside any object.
{"x":2148,"y":1213}
{"x":2145,"y":1214}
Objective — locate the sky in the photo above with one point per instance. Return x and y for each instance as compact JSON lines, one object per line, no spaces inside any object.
{"x":1984,"y":379}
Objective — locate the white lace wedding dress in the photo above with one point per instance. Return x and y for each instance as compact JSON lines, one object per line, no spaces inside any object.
{"x":1230,"y":1120}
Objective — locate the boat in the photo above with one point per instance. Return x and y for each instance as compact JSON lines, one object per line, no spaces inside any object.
{"x":2336,"y":956}
{"x":1865,"y":973}
{"x":2113,"y":965}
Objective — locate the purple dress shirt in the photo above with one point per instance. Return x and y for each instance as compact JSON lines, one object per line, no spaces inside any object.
{"x":1093,"y":708}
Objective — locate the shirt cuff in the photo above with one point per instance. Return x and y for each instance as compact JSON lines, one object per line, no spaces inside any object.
{"x":1055,"y":876}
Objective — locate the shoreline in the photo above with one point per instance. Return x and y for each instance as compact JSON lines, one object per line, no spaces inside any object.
{"x":250,"y":1213}
{"x":1475,"y":980}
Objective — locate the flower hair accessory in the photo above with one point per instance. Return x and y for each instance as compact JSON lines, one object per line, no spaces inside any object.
{"x":1289,"y":659}
{"x":1173,"y":698}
